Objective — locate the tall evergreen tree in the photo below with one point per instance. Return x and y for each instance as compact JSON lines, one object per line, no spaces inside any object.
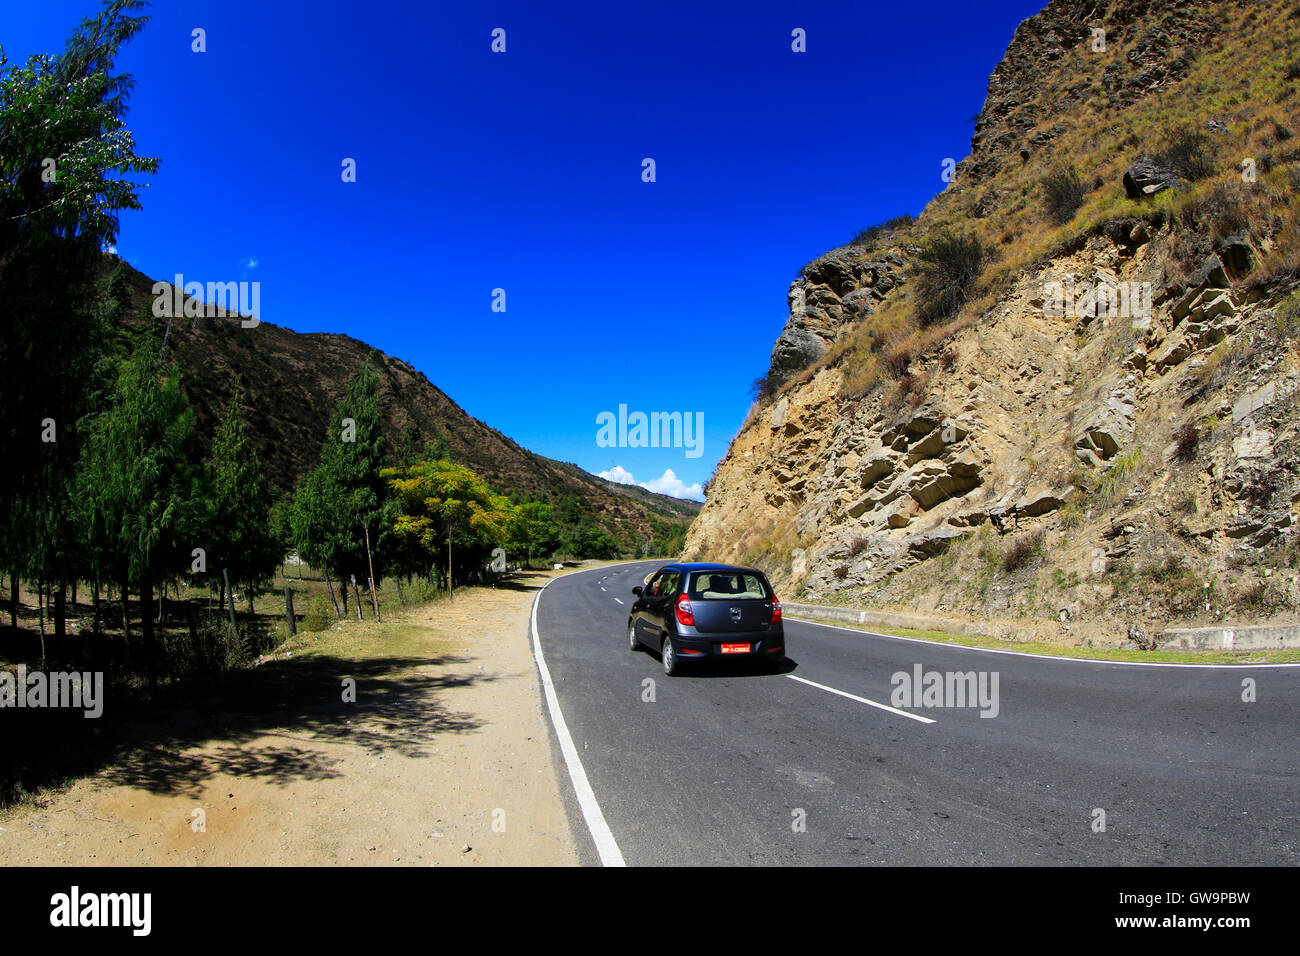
{"x":343,"y":496}
{"x":65,"y":153}
{"x":143,"y":493}
{"x":240,"y":508}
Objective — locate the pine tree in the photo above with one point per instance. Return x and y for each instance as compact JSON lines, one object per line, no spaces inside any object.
{"x":64,"y":154}
{"x":343,"y":496}
{"x":143,"y":493}
{"x":240,"y":509}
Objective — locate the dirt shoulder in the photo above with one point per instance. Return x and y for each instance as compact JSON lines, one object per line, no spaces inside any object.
{"x":445,"y":748}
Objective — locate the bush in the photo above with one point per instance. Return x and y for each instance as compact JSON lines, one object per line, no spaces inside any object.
{"x":1063,"y":193}
{"x":950,"y":264}
{"x":898,"y":359}
{"x":1186,"y":441}
{"x":909,"y":391}
{"x":1169,"y":571}
{"x":1188,"y":150}
{"x":1023,"y":550}
{"x":865,"y":237}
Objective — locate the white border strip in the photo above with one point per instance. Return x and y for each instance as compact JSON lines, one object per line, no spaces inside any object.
{"x":861,"y":700}
{"x":1043,"y":657}
{"x":606,"y":846}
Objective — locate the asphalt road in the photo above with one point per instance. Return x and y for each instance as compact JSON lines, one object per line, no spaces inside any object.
{"x":744,"y":765}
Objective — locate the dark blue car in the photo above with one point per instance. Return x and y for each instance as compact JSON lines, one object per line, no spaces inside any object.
{"x":691,"y":612}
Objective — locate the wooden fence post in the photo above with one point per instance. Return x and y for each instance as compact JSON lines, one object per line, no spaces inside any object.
{"x":333,"y":599}
{"x":288,"y":609}
{"x":230,"y":599}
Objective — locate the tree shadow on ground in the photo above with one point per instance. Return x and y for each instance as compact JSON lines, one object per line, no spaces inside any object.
{"x":397,"y":709}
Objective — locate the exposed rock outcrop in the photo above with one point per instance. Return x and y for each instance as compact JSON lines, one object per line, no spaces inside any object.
{"x":1106,"y":464}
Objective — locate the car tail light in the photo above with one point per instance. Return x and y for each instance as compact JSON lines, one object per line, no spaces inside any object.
{"x":684,"y":613}
{"x":776,"y":609}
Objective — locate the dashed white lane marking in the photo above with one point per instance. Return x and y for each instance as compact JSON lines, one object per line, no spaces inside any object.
{"x":606,"y":846}
{"x":862,"y":700}
{"x":616,"y":599}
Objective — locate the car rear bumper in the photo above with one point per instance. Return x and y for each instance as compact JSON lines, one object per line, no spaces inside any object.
{"x":727,"y":647}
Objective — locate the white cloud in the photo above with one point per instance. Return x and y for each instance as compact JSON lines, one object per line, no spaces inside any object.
{"x":619,"y":476}
{"x":666,"y":484}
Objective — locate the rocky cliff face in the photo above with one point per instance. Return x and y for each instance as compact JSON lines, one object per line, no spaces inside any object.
{"x":1057,"y":463}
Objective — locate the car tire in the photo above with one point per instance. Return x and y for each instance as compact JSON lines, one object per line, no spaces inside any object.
{"x":632,"y":642}
{"x":672,"y":666}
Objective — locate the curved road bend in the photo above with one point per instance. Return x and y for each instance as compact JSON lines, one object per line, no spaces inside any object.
{"x":755,"y":766}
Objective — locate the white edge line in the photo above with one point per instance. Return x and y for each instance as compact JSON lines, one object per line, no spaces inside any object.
{"x":606,"y":846}
{"x":861,"y":700}
{"x":1043,"y":657}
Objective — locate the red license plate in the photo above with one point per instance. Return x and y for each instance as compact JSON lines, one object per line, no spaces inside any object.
{"x":735,"y":648}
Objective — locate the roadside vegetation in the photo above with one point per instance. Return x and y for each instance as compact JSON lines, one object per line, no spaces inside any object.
{"x":123,"y":549}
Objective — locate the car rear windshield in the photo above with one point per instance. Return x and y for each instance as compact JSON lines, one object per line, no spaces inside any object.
{"x":728,"y":586}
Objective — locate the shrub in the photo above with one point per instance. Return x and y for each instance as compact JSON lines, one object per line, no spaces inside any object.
{"x":1188,"y":150}
{"x":1169,"y":570}
{"x":859,"y":545}
{"x":1063,"y":193}
{"x":949,"y":265}
{"x":864,"y":237}
{"x":909,"y":391}
{"x":1186,"y":441}
{"x":1263,"y":596}
{"x":1024,"y":549}
{"x":1284,"y":321}
{"x":898,"y":359}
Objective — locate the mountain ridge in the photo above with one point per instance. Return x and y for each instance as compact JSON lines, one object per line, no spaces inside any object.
{"x":292,"y":380}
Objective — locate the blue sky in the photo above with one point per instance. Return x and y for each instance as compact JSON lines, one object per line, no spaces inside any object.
{"x":522,"y":171}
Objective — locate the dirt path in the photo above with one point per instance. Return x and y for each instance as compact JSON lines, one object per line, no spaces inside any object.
{"x":443,"y":759}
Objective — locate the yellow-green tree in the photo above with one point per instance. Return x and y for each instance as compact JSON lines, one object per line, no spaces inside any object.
{"x":445,"y":516}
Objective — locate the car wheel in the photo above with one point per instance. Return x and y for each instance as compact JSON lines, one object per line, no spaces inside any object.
{"x":672,"y":666}
{"x":632,"y":642}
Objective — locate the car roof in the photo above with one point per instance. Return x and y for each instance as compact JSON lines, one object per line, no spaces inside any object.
{"x":705,"y":566}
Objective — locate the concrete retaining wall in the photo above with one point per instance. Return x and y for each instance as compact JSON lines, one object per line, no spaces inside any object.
{"x":1252,"y":638}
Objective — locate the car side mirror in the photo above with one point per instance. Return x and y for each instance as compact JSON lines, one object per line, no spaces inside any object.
{"x":637,"y":590}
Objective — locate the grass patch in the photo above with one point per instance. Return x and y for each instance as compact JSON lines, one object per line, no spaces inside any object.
{"x":1117,"y":475}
